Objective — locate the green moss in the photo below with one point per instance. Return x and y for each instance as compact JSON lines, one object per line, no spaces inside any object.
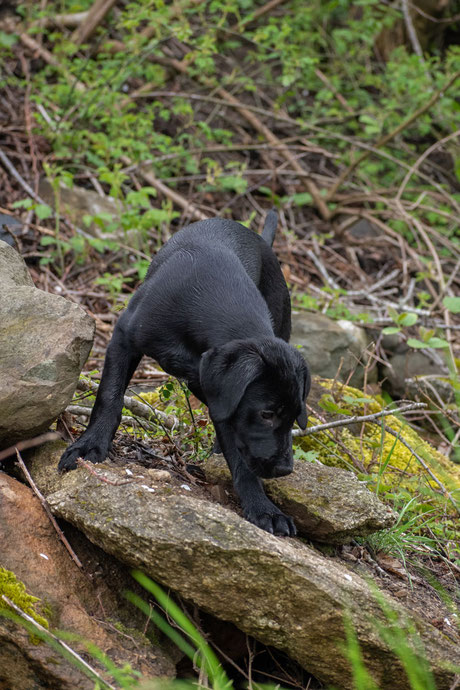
{"x":372,"y":448}
{"x":15,"y":590}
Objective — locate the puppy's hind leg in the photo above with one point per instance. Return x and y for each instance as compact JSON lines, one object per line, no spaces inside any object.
{"x":119,"y":366}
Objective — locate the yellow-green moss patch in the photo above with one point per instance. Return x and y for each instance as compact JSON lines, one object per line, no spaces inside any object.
{"x":15,"y":590}
{"x":352,"y":448}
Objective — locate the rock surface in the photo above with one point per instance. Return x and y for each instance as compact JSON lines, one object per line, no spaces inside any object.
{"x":44,"y":342}
{"x":325,"y":342}
{"x":279,"y":590}
{"x":76,"y":202}
{"x":405,"y":364}
{"x":328,"y":504}
{"x":71,"y":601}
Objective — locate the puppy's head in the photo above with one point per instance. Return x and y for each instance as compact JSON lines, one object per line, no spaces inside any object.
{"x":259,"y":387}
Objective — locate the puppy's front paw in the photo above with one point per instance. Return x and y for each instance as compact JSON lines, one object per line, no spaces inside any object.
{"x":271,"y":519}
{"x":83,"y":448}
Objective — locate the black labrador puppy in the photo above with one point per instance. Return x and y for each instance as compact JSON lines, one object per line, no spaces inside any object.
{"x":214,"y":310}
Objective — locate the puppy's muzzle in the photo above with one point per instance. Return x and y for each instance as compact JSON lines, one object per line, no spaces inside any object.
{"x":269,"y":469}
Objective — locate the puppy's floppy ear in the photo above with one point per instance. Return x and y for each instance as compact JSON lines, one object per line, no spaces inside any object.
{"x":225,"y":373}
{"x":304,"y":390}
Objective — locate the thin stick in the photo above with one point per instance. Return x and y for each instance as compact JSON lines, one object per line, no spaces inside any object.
{"x":357,"y":419}
{"x":81,"y":411}
{"x":29,"y":443}
{"x":48,"y":57}
{"x":47,"y":510}
{"x":26,"y":187}
{"x":410,"y":28}
{"x":420,"y":160}
{"x":59,"y":642}
{"x":424,"y":465}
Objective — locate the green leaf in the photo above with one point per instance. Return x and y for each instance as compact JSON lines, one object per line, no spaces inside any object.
{"x":413,"y":342}
{"x":407,"y":319}
{"x":24,"y":203}
{"x":437,"y":342}
{"x":302,"y":199}
{"x":390,"y":330}
{"x":43,"y":211}
{"x":452,"y":304}
{"x":7,"y":40}
{"x":47,"y":240}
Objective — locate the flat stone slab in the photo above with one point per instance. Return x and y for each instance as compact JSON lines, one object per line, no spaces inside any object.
{"x":281,"y":591}
{"x":328,"y":504}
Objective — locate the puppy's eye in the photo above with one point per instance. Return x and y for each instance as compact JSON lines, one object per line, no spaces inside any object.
{"x":268,"y":415}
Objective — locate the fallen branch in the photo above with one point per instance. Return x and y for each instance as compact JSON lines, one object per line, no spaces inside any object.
{"x":89,"y":670}
{"x":70,"y":20}
{"x":48,"y":57}
{"x":357,"y":419}
{"x":47,"y":510}
{"x":29,"y":443}
{"x":139,"y":408}
{"x":95,"y":16}
{"x":81,"y":411}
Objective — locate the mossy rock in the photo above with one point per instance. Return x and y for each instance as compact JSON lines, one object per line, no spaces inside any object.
{"x":15,"y":590}
{"x":373,"y":452}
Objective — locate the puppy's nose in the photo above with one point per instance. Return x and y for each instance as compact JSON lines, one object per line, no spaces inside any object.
{"x":281,"y":470}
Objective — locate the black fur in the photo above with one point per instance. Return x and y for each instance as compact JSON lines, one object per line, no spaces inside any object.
{"x":214,"y":310}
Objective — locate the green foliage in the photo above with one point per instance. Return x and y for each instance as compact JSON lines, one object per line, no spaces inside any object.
{"x":304,"y":57}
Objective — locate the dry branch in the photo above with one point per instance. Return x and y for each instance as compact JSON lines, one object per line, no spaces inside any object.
{"x":48,"y":57}
{"x":82,"y":411}
{"x":94,"y":17}
{"x":47,"y":510}
{"x":357,"y":419}
{"x":29,"y":443}
{"x":136,"y":406}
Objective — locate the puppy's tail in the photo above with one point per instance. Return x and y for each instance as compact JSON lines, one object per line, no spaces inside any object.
{"x":271,"y":221}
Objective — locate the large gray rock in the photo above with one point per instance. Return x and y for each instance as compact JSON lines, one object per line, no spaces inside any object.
{"x":325,"y":342}
{"x":328,"y":504}
{"x":279,"y":590}
{"x":44,"y":342}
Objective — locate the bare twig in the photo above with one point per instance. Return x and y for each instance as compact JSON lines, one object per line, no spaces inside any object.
{"x":420,"y":160}
{"x":47,"y":510}
{"x":95,"y":16}
{"x":169,"y":193}
{"x":12,"y":170}
{"x":411,"y":32}
{"x":358,"y":419}
{"x":81,"y":411}
{"x":29,"y":443}
{"x":71,"y":20}
{"x":88,"y":669}
{"x":51,"y":60}
{"x":101,"y":477}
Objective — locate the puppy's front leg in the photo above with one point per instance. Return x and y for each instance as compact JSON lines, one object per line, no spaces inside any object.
{"x":257,"y":508}
{"x":120,"y":364}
